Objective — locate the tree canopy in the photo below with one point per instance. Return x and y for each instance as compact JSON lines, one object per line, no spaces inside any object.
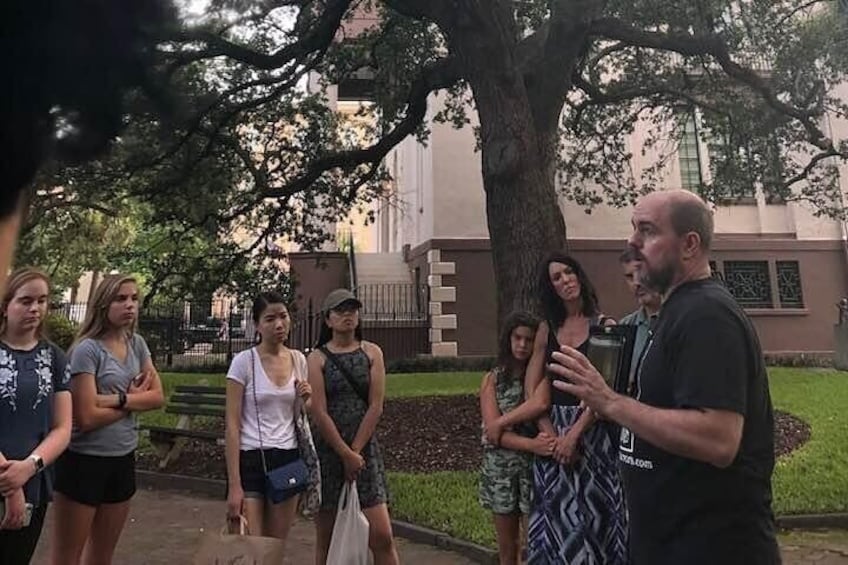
{"x":558,"y":86}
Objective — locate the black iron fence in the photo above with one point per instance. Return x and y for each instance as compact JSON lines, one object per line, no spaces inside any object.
{"x":206,"y":336}
{"x":391,"y":301}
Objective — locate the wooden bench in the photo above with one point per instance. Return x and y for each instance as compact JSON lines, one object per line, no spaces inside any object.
{"x":188,"y":402}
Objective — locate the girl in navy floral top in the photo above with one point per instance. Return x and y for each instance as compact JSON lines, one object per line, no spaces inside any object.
{"x":35,"y":413}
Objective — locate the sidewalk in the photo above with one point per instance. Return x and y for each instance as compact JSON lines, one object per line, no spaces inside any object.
{"x":166,"y":528}
{"x":828,"y":547}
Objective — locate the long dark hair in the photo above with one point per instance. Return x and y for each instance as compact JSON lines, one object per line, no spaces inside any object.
{"x":514,"y":320}
{"x":552,"y":304}
{"x":325,"y":334}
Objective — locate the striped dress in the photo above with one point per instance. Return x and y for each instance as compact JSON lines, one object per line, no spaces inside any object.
{"x":577,"y":513}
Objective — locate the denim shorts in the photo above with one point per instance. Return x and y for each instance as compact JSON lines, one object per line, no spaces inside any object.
{"x":252,"y":472}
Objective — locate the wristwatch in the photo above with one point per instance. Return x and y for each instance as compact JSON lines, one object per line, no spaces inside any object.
{"x":122,"y":399}
{"x":38,"y":461}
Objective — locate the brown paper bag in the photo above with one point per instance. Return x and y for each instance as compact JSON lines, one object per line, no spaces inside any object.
{"x":239,"y":549}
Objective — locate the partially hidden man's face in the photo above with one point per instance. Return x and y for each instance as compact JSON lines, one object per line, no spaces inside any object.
{"x":657,"y":246}
{"x":633,"y":278}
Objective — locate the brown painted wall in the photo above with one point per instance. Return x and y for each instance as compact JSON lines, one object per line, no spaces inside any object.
{"x":476,"y":331}
{"x":824,"y":279}
{"x":823,"y":283}
{"x":402,"y":339}
{"x":315,"y":275}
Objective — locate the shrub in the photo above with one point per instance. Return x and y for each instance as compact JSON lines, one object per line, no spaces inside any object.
{"x":799,"y":359}
{"x":440,"y":364}
{"x":60,"y":330}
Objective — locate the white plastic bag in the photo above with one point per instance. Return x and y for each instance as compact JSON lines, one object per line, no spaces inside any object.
{"x":349,"y":543}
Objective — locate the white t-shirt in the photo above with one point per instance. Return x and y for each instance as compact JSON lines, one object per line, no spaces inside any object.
{"x":276,"y":404}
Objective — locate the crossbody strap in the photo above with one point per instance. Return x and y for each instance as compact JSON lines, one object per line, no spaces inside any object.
{"x":345,"y":372}
{"x":256,"y":404}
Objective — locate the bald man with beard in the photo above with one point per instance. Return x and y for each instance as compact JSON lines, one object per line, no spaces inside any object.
{"x":697,"y":441}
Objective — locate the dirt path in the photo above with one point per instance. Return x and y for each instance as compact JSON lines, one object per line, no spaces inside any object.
{"x":165,"y":528}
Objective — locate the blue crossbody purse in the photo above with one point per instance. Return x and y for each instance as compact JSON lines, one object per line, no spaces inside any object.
{"x":283,"y":482}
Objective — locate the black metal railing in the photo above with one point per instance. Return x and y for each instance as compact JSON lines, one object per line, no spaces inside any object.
{"x":389,"y":301}
{"x":206,"y":336}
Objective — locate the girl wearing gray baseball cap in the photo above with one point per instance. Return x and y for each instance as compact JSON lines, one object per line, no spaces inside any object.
{"x":348,"y":376}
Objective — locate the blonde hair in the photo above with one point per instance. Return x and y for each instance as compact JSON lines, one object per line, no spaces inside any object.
{"x":16,"y":280}
{"x":96,"y":322}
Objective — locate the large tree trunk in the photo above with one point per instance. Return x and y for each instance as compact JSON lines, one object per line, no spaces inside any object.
{"x":525,"y":222}
{"x":518,"y":154}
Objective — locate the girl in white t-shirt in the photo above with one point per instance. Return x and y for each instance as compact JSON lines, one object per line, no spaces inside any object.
{"x":279,"y":376}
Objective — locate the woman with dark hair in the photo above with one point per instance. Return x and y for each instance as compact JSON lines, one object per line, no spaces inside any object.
{"x":505,"y":475}
{"x":348,"y":380}
{"x":266,"y":392}
{"x":587,"y":521}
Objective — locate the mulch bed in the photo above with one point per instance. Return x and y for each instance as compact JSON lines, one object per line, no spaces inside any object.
{"x":424,"y":435}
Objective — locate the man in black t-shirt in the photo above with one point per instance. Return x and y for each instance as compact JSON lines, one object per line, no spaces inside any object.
{"x":697,"y":444}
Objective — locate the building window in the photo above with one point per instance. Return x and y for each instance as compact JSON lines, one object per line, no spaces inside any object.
{"x":725,"y":160}
{"x":706,"y":140}
{"x":789,"y":284}
{"x":749,"y":283}
{"x":689,"y":156}
{"x":358,"y":87}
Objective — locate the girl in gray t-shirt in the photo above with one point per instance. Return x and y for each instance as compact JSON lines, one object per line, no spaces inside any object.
{"x":112,"y":378}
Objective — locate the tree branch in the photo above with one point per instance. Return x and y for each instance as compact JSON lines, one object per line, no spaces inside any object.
{"x":320,"y":36}
{"x":563,"y":38}
{"x":692,"y":45}
{"x":815,"y":160}
{"x":439,"y":75}
{"x":79,"y":204}
{"x":798,"y":9}
{"x":598,"y":96}
{"x":683,"y":43}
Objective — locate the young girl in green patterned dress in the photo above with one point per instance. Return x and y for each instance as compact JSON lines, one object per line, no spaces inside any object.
{"x":505,"y":475}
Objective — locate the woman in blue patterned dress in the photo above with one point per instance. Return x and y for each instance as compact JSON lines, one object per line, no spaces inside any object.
{"x":577,"y":514}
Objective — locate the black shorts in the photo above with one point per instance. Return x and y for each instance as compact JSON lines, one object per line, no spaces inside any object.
{"x":252,"y":473}
{"x":94,"y":480}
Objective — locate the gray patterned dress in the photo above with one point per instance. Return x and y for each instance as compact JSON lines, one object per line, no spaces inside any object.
{"x":347,"y":410}
{"x":505,"y":475}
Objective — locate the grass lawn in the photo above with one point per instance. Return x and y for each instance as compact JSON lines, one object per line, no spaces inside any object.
{"x":814,"y":478}
{"x":397,"y":386}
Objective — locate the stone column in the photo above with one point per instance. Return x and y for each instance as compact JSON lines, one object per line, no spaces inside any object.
{"x":840,"y":347}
